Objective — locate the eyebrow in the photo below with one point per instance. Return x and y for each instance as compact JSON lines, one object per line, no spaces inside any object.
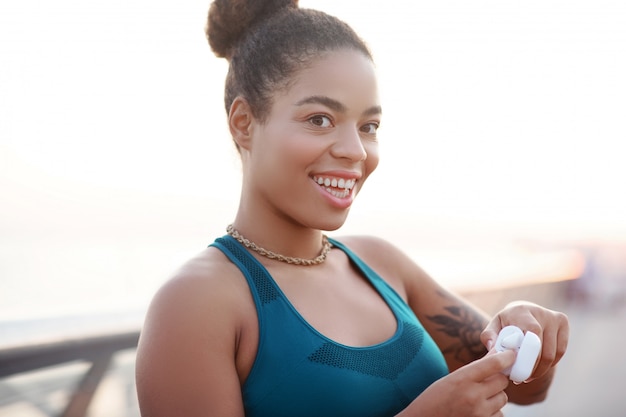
{"x":336,"y":105}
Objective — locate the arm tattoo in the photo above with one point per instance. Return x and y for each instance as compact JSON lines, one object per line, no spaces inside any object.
{"x":464,"y":325}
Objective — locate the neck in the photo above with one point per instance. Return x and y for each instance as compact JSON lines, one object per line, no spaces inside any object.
{"x":281,"y":238}
{"x":326,"y":246}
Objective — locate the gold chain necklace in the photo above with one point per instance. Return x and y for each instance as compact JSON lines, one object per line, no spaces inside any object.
{"x":277,"y":256}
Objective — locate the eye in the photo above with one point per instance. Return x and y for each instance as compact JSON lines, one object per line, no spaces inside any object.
{"x":370,"y":128}
{"x":320,"y":120}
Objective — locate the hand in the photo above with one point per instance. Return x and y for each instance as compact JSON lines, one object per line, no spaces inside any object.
{"x":474,"y":390}
{"x":552,"y":327}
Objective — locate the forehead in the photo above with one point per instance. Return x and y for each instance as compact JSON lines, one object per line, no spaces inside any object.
{"x":345,"y":75}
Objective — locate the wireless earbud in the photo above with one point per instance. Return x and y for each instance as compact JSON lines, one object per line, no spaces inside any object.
{"x":528,"y":347}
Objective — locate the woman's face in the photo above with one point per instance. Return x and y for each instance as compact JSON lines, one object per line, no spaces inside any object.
{"x":312,"y":155}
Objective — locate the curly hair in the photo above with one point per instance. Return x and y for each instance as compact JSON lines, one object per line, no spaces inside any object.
{"x":267,"y":42}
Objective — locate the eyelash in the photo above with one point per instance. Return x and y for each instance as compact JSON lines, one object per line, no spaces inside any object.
{"x":318,"y":116}
{"x":376,"y":125}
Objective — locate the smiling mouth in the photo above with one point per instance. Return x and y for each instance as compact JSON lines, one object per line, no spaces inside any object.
{"x":339,"y":187}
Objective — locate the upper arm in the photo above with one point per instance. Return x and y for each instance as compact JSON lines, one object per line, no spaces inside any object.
{"x":186,"y":354}
{"x":453,"y":322}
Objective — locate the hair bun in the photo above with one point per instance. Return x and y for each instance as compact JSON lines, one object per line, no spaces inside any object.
{"x":230,"y":20}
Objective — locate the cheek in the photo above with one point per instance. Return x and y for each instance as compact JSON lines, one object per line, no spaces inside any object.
{"x":288,"y":153}
{"x":301,"y":150}
{"x":372,"y":158}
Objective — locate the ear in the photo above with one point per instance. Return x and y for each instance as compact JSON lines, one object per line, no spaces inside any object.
{"x":240,"y":120}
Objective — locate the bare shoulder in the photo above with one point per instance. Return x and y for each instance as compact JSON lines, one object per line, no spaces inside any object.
{"x":452,"y":322}
{"x":389,"y":261}
{"x":375,"y":251}
{"x":196,"y":302}
{"x":189,"y":340}
{"x":202,"y":285}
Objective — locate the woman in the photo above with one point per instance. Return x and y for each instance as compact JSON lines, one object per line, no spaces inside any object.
{"x":275,"y":319}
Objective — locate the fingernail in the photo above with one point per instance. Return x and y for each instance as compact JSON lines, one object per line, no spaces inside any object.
{"x":489,"y":344}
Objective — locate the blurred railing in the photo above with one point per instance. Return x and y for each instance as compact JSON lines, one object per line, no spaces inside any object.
{"x":96,"y":353}
{"x":96,"y":350}
{"x":92,"y":345}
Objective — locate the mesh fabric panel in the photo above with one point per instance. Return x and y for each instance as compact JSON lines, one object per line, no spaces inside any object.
{"x":266,"y":291}
{"x":387,"y":362}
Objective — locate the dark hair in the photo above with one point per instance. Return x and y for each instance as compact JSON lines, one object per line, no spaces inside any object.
{"x":267,"y":41}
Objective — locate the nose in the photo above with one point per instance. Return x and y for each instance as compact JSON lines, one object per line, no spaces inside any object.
{"x":349,"y":145}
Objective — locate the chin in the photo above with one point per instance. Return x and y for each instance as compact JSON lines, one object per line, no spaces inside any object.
{"x":332,"y":224}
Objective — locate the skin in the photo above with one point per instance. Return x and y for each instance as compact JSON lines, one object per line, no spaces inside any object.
{"x":201,"y":332}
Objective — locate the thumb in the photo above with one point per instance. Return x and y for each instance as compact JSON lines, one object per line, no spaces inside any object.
{"x":490,"y":334}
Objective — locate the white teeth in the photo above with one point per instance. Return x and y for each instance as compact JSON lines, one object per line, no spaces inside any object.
{"x":340,"y":183}
{"x":340,"y":194}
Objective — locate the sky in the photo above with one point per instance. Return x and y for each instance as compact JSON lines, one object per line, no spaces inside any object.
{"x":501,"y":118}
{"x":498,"y":111}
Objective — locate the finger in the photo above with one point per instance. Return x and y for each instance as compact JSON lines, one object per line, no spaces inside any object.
{"x":489,"y":365}
{"x":493,"y":385}
{"x":562,"y":338}
{"x":498,"y":413}
{"x":548,"y":354}
{"x":496,"y":402}
{"x":555,"y":342}
{"x":489,"y":335}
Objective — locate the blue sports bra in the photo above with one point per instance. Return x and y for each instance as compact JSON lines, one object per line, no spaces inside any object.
{"x":299,"y":372}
